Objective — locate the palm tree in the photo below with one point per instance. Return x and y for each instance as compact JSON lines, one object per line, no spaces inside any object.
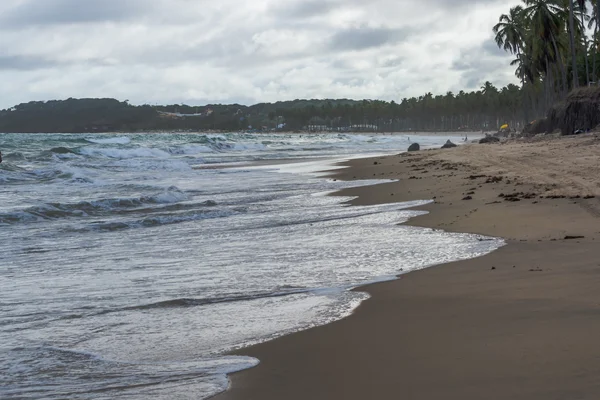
{"x":572,"y":42}
{"x":597,"y":10}
{"x":546,"y":20}
{"x":510,"y":30}
{"x":582,"y":9}
{"x":594,"y":22}
{"x":510,"y":35}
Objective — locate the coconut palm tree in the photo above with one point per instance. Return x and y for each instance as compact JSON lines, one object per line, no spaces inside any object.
{"x":510,"y":35}
{"x":594,"y":23}
{"x":546,"y":20}
{"x":510,"y":30}
{"x":572,"y":44}
{"x":582,"y":11}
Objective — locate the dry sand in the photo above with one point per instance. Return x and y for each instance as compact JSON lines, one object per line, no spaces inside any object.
{"x":520,"y":323}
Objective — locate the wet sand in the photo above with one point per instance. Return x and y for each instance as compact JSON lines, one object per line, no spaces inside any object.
{"x":520,"y":323}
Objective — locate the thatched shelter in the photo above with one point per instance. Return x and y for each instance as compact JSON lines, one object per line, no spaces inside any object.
{"x":579,"y":112}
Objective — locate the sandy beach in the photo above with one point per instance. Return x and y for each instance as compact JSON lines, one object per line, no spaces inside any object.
{"x":520,"y":323}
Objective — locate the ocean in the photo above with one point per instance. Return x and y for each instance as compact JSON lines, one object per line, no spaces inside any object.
{"x":132,"y":263}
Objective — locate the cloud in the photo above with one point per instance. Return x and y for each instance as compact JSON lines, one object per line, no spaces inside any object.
{"x":56,"y":12}
{"x":165,"y":51}
{"x":461,"y":3}
{"x":364,"y":37}
{"x":25,"y":63}
{"x":304,"y":9}
{"x":481,"y":63}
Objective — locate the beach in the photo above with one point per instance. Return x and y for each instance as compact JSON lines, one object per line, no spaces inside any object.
{"x":519,"y":323}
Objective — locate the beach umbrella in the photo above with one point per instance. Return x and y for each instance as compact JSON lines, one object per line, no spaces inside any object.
{"x":504,"y":126}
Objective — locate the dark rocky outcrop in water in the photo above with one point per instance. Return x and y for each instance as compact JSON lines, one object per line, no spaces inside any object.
{"x":414,"y":147}
{"x":448,"y":145}
{"x":489,"y":139}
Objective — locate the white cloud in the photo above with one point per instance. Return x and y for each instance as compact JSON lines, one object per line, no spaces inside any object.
{"x":198,"y":51}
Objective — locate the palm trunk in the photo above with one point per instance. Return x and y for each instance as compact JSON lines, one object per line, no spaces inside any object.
{"x":594,"y":75}
{"x":563,"y":70}
{"x":547,"y":85}
{"x":597,"y":27}
{"x":523,"y":100}
{"x":572,"y":42}
{"x":585,"y":43}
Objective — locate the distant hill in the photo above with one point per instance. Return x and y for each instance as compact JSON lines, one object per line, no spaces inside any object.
{"x":486,"y":109}
{"x":76,"y":115}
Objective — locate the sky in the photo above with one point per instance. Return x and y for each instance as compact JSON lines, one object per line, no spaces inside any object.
{"x":247,"y":51}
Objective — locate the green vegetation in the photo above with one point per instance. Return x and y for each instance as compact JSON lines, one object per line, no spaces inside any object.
{"x":485,"y":109}
{"x":74,"y":115}
{"x":552,"y":49}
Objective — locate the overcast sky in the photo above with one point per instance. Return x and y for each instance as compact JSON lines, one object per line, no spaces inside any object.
{"x":246,"y":51}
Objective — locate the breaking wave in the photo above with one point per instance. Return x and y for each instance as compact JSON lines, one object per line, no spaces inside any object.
{"x":140,"y":152}
{"x":193,"y":302}
{"x":160,"y":220}
{"x":49,"y":211}
{"x":117,"y":140}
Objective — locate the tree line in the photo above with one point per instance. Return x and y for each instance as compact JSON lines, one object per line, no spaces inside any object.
{"x":483,"y":109}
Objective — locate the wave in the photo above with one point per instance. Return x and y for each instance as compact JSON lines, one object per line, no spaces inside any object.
{"x":153,"y":164}
{"x":191,"y":150}
{"x":14,"y":156}
{"x":247,"y":146}
{"x":160,"y":220}
{"x":61,"y":150}
{"x":139,"y":152}
{"x":51,"y":211}
{"x":6,"y":166}
{"x":193,"y":302}
{"x":18,"y":175}
{"x":116,"y":140}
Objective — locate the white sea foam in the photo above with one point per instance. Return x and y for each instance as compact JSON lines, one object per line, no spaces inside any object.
{"x":248,"y":146}
{"x":114,"y":140}
{"x":171,"y":195}
{"x":153,"y":164}
{"x":193,"y":149}
{"x":139,"y":152}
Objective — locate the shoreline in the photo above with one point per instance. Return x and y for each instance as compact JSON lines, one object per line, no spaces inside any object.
{"x":217,"y":132}
{"x":515,"y":323}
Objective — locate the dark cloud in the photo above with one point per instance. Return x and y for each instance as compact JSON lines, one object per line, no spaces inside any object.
{"x":462,"y":3}
{"x":305,"y":9}
{"x":486,"y":56}
{"x":474,"y":81}
{"x":490,"y":47}
{"x":480,"y":63}
{"x":37,"y":62}
{"x":364,"y":38}
{"x":25,"y":63}
{"x":56,"y":12}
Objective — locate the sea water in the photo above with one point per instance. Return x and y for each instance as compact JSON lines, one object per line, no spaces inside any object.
{"x":131,"y":264}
